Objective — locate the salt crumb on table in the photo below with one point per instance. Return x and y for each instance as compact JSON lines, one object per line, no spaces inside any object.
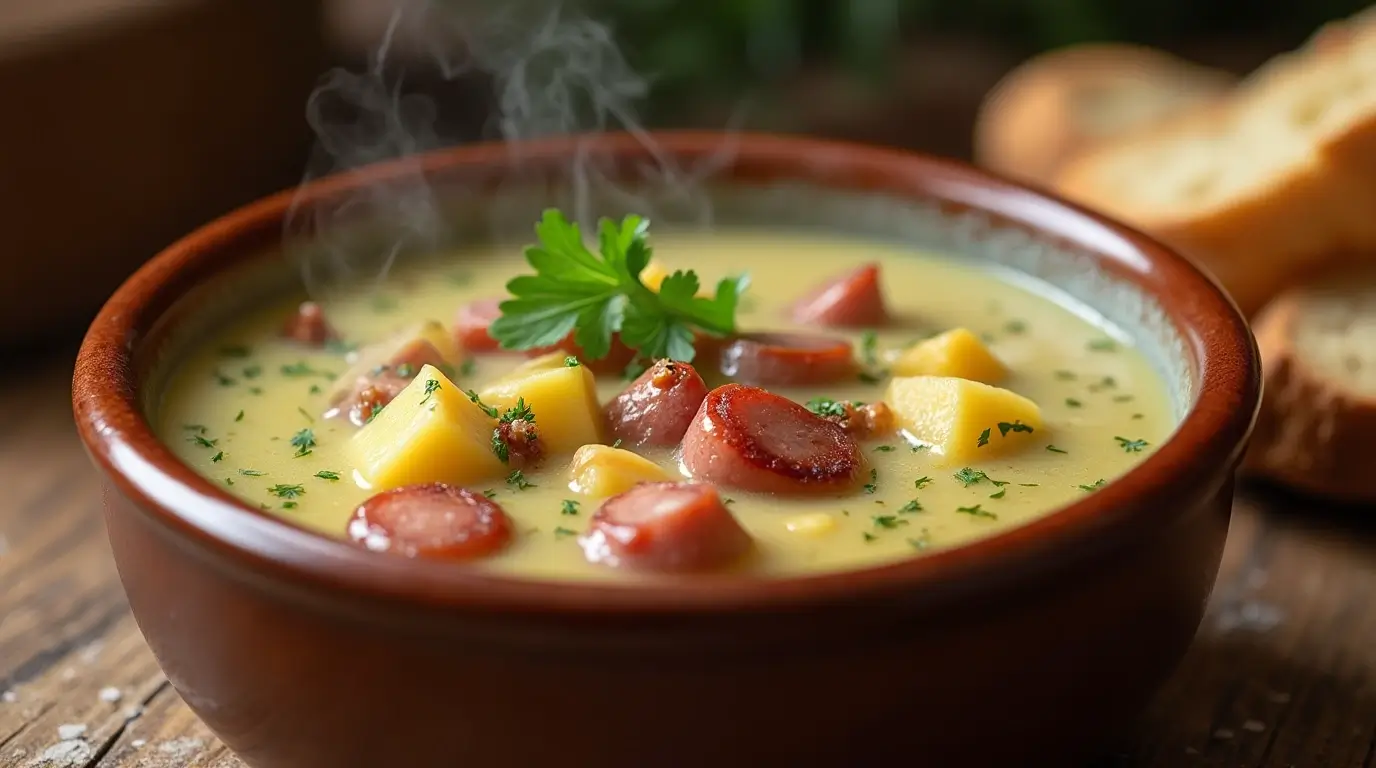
{"x":69,"y":731}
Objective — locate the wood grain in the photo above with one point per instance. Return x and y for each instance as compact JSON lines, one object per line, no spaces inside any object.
{"x":1282,"y":674}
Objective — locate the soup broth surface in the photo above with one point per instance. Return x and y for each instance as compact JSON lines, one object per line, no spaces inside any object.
{"x":237,"y":404}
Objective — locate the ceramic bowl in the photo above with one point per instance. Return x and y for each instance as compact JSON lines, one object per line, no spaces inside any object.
{"x":1034,"y":647}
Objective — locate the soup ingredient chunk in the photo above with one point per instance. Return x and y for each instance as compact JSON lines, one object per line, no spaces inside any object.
{"x":963,"y":420}
{"x":957,"y":352}
{"x":433,"y":520}
{"x":381,"y":370}
{"x":656,"y":408}
{"x":670,"y":527}
{"x":614,"y":362}
{"x":431,"y":432}
{"x":471,"y":324}
{"x":864,"y":420}
{"x":563,"y":397}
{"x":308,"y":325}
{"x":853,"y":300}
{"x":788,"y":359}
{"x":749,"y":438}
{"x":600,"y":470}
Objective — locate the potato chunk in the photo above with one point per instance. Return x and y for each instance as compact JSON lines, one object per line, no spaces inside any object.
{"x":563,"y":399}
{"x":430,"y":432}
{"x":964,"y":420}
{"x":600,"y":470}
{"x":957,"y":352}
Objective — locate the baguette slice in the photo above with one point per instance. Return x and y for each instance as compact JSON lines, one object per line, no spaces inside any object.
{"x":1265,"y":187}
{"x":1318,"y":346}
{"x":1064,"y":101}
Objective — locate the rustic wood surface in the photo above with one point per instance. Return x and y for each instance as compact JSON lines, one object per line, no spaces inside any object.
{"x":1283,"y":672}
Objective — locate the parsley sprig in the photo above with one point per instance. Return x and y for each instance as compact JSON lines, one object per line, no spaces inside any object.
{"x":596,"y":295}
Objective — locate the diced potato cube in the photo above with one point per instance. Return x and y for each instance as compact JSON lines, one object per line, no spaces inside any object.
{"x":600,"y":470}
{"x":964,"y":420}
{"x":563,"y":399}
{"x":812,"y":524}
{"x":431,"y":432}
{"x":957,"y":352}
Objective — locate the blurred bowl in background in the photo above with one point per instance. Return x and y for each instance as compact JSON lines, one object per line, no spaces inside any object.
{"x":127,"y":123}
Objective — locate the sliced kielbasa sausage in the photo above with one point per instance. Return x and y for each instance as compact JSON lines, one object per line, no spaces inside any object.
{"x":308,"y":325}
{"x":656,"y":408}
{"x":472,"y":322}
{"x":788,"y":359}
{"x":853,"y":300}
{"x":752,"y":439}
{"x":433,"y":520}
{"x":671,"y":527}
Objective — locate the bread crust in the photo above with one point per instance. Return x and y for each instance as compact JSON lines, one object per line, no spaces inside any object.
{"x":1313,"y":433}
{"x":1031,"y":122}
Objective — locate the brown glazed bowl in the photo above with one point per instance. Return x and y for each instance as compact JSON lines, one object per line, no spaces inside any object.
{"x":1037,"y":646}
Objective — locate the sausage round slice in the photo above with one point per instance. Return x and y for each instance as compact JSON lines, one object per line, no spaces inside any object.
{"x":308,"y":325}
{"x":472,"y":322}
{"x":785,"y":359}
{"x":748,"y":438}
{"x":853,"y":300}
{"x":670,"y":527}
{"x":432,"y":520}
{"x":656,"y":408}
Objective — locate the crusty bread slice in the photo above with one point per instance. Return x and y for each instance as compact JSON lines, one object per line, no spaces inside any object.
{"x":1059,"y":103}
{"x":1318,"y":346}
{"x":1266,"y":186}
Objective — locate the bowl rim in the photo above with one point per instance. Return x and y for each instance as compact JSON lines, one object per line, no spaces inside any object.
{"x":1195,"y":462}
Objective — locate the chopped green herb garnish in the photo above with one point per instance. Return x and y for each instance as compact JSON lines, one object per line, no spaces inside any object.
{"x":491,"y":411}
{"x":406,"y":370}
{"x":868,"y":536}
{"x":252,"y":371}
{"x":968,"y":476}
{"x":229,"y":481}
{"x":910,"y":507}
{"x":568,"y":507}
{"x":922,"y":482}
{"x":288,"y":505}
{"x":1097,"y":484}
{"x":1064,"y":375}
{"x":827,"y":408}
{"x":983,"y":438}
{"x":597,"y":294}
{"x":1102,"y":345}
{"x":217,"y":458}
{"x":326,"y":474}
{"x":518,"y":479}
{"x":201,"y":428}
{"x":239,"y":416}
{"x":888,"y":521}
{"x":920,"y":447}
{"x":255,"y":390}
{"x":305,"y":413}
{"x":1054,"y":449}
{"x":921,"y":541}
{"x":468,"y":367}
{"x":303,"y":441}
{"x":977,"y":511}
{"x":431,"y":387}
{"x":728,"y":501}
{"x":869,"y":347}
{"x":222,"y":379}
{"x":873,"y":484}
{"x":251,"y":473}
{"x":303,"y":368}
{"x":1138,"y":417}
{"x":1108,"y":382}
{"x":203,"y":441}
{"x":1073,"y":403}
{"x":1015,"y":327}
{"x":1122,"y":398}
{"x":883,"y":449}
{"x":235,"y":350}
{"x":490,"y":493}
{"x":1029,"y":485}
{"x":998,"y":494}
{"x":373,"y":410}
{"x":287,"y":491}
{"x":1015,"y":427}
{"x":1131,"y":446}
{"x":571,"y":362}
{"x":561,"y":532}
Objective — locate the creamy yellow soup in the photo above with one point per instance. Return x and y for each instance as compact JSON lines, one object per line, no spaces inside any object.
{"x":237,"y":407}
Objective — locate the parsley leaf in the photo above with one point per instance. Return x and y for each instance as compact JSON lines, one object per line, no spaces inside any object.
{"x":1132,"y":446}
{"x":303,"y":441}
{"x":597,"y":295}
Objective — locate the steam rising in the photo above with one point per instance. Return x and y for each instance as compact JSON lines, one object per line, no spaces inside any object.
{"x":552,"y":71}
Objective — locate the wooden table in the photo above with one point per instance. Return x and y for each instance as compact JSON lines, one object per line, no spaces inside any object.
{"x":1283,"y":672}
